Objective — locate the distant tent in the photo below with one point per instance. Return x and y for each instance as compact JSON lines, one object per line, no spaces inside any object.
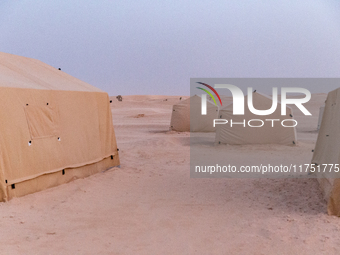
{"x":244,"y":134}
{"x":327,"y":151}
{"x":54,"y":127}
{"x":186,"y":116}
{"x":322,"y":108}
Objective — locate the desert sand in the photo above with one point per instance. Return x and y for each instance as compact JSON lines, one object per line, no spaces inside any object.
{"x":150,"y":205}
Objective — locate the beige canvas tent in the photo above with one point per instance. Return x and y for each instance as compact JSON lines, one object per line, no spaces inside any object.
{"x":322,"y":109}
{"x":186,"y":116}
{"x":245,"y":134}
{"x":327,"y":151}
{"x":54,"y":127}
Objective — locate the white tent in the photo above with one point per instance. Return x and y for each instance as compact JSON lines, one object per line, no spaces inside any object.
{"x":186,"y":116}
{"x":269,"y":132}
{"x":322,"y":109}
{"x":327,"y":151}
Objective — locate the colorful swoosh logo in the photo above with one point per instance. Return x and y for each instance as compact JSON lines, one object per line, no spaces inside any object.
{"x":213,"y":90}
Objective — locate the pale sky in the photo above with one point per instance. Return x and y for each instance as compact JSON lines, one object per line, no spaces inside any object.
{"x":155,"y":47}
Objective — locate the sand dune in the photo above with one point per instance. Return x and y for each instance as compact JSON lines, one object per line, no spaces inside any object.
{"x":151,"y":205}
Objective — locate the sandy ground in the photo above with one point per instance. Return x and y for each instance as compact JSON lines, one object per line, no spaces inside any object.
{"x":151,"y":205}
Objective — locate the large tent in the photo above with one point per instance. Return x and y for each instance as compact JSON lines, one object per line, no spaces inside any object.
{"x":186,"y":116}
{"x":54,"y":127}
{"x":270,"y":132}
{"x":327,"y":151}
